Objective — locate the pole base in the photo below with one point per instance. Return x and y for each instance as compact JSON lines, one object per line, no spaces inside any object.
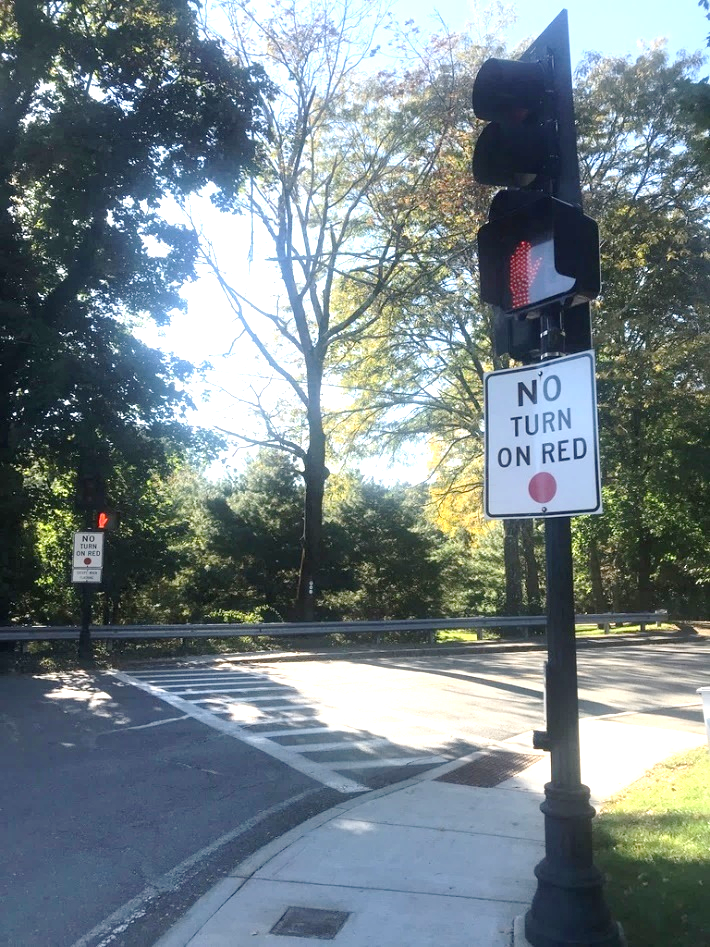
{"x":569,"y":909}
{"x":520,"y":940}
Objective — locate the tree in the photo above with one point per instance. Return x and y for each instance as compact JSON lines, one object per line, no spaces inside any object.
{"x":646,"y":183}
{"x":349,"y":158}
{"x":105,"y":109}
{"x":257,"y":528}
{"x":136,"y":555}
{"x":418,"y":374}
{"x":384,"y":552}
{"x":644,"y":180}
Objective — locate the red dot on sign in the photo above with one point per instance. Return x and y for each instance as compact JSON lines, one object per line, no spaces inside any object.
{"x":87,"y":562}
{"x":542,"y":487}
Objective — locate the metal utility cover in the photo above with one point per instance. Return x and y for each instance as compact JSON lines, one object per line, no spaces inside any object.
{"x":541,"y":440}
{"x":489,"y":770}
{"x":310,"y":922}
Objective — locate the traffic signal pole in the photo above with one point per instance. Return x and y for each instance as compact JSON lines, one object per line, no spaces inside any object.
{"x":86,"y":651}
{"x":569,"y":908}
{"x":538,"y":258}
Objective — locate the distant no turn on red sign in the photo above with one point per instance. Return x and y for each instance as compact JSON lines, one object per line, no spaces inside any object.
{"x":541,"y":440}
{"x":87,"y":558}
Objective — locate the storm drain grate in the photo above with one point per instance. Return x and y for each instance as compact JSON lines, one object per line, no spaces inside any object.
{"x":310,"y":922}
{"x":490,"y":770}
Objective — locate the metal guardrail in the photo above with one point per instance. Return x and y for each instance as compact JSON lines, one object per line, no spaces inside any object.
{"x":298,"y":629}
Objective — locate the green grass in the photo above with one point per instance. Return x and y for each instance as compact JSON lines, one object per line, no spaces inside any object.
{"x":454,"y":635}
{"x":583,"y":630}
{"x":48,"y":656}
{"x":461,"y":635}
{"x":653,"y":843}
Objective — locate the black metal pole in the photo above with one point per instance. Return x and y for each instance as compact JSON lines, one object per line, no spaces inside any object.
{"x":569,"y":908}
{"x":85,"y":647}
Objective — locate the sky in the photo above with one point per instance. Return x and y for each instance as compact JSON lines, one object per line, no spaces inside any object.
{"x":612,"y":27}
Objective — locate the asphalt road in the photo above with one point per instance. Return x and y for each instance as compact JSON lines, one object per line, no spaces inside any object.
{"x":124,"y":798}
{"x":118,"y":812}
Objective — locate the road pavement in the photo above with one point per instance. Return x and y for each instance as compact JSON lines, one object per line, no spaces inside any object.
{"x":119,"y":812}
{"x":363,"y":722}
{"x":125,"y":796}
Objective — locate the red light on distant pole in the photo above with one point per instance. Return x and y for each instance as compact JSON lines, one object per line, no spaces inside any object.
{"x":522,"y":270}
{"x":108,"y":520}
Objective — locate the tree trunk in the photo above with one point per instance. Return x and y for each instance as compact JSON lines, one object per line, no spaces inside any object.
{"x":645,"y":588}
{"x":532,"y":571}
{"x":513,"y":574}
{"x":314,"y":475}
{"x":599,"y":604}
{"x":12,"y":507}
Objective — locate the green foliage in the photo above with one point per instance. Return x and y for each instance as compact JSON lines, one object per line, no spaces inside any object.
{"x":652,"y":330}
{"x":382,"y":552}
{"x":107,"y":109}
{"x":468,"y":580}
{"x":644,"y":180}
{"x":97,"y":128}
{"x":256,"y":531}
{"x":234,"y":547}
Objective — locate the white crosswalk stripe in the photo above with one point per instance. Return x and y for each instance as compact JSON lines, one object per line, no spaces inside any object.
{"x":257,"y":708}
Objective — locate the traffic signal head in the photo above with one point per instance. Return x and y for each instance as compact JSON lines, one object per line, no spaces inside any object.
{"x":517,"y":148}
{"x":108,"y":520}
{"x":90,"y":493}
{"x":531,"y":140}
{"x":537,"y":252}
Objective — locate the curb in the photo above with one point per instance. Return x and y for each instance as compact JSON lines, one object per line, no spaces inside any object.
{"x":207,"y":906}
{"x":252,"y":863}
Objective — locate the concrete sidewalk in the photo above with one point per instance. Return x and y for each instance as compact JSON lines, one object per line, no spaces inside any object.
{"x":444,"y":859}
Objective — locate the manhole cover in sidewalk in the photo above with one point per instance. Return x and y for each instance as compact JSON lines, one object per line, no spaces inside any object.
{"x":310,"y":922}
{"x":490,"y":770}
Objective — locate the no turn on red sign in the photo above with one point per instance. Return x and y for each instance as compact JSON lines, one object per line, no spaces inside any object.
{"x":541,"y":440}
{"x":87,"y":558}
